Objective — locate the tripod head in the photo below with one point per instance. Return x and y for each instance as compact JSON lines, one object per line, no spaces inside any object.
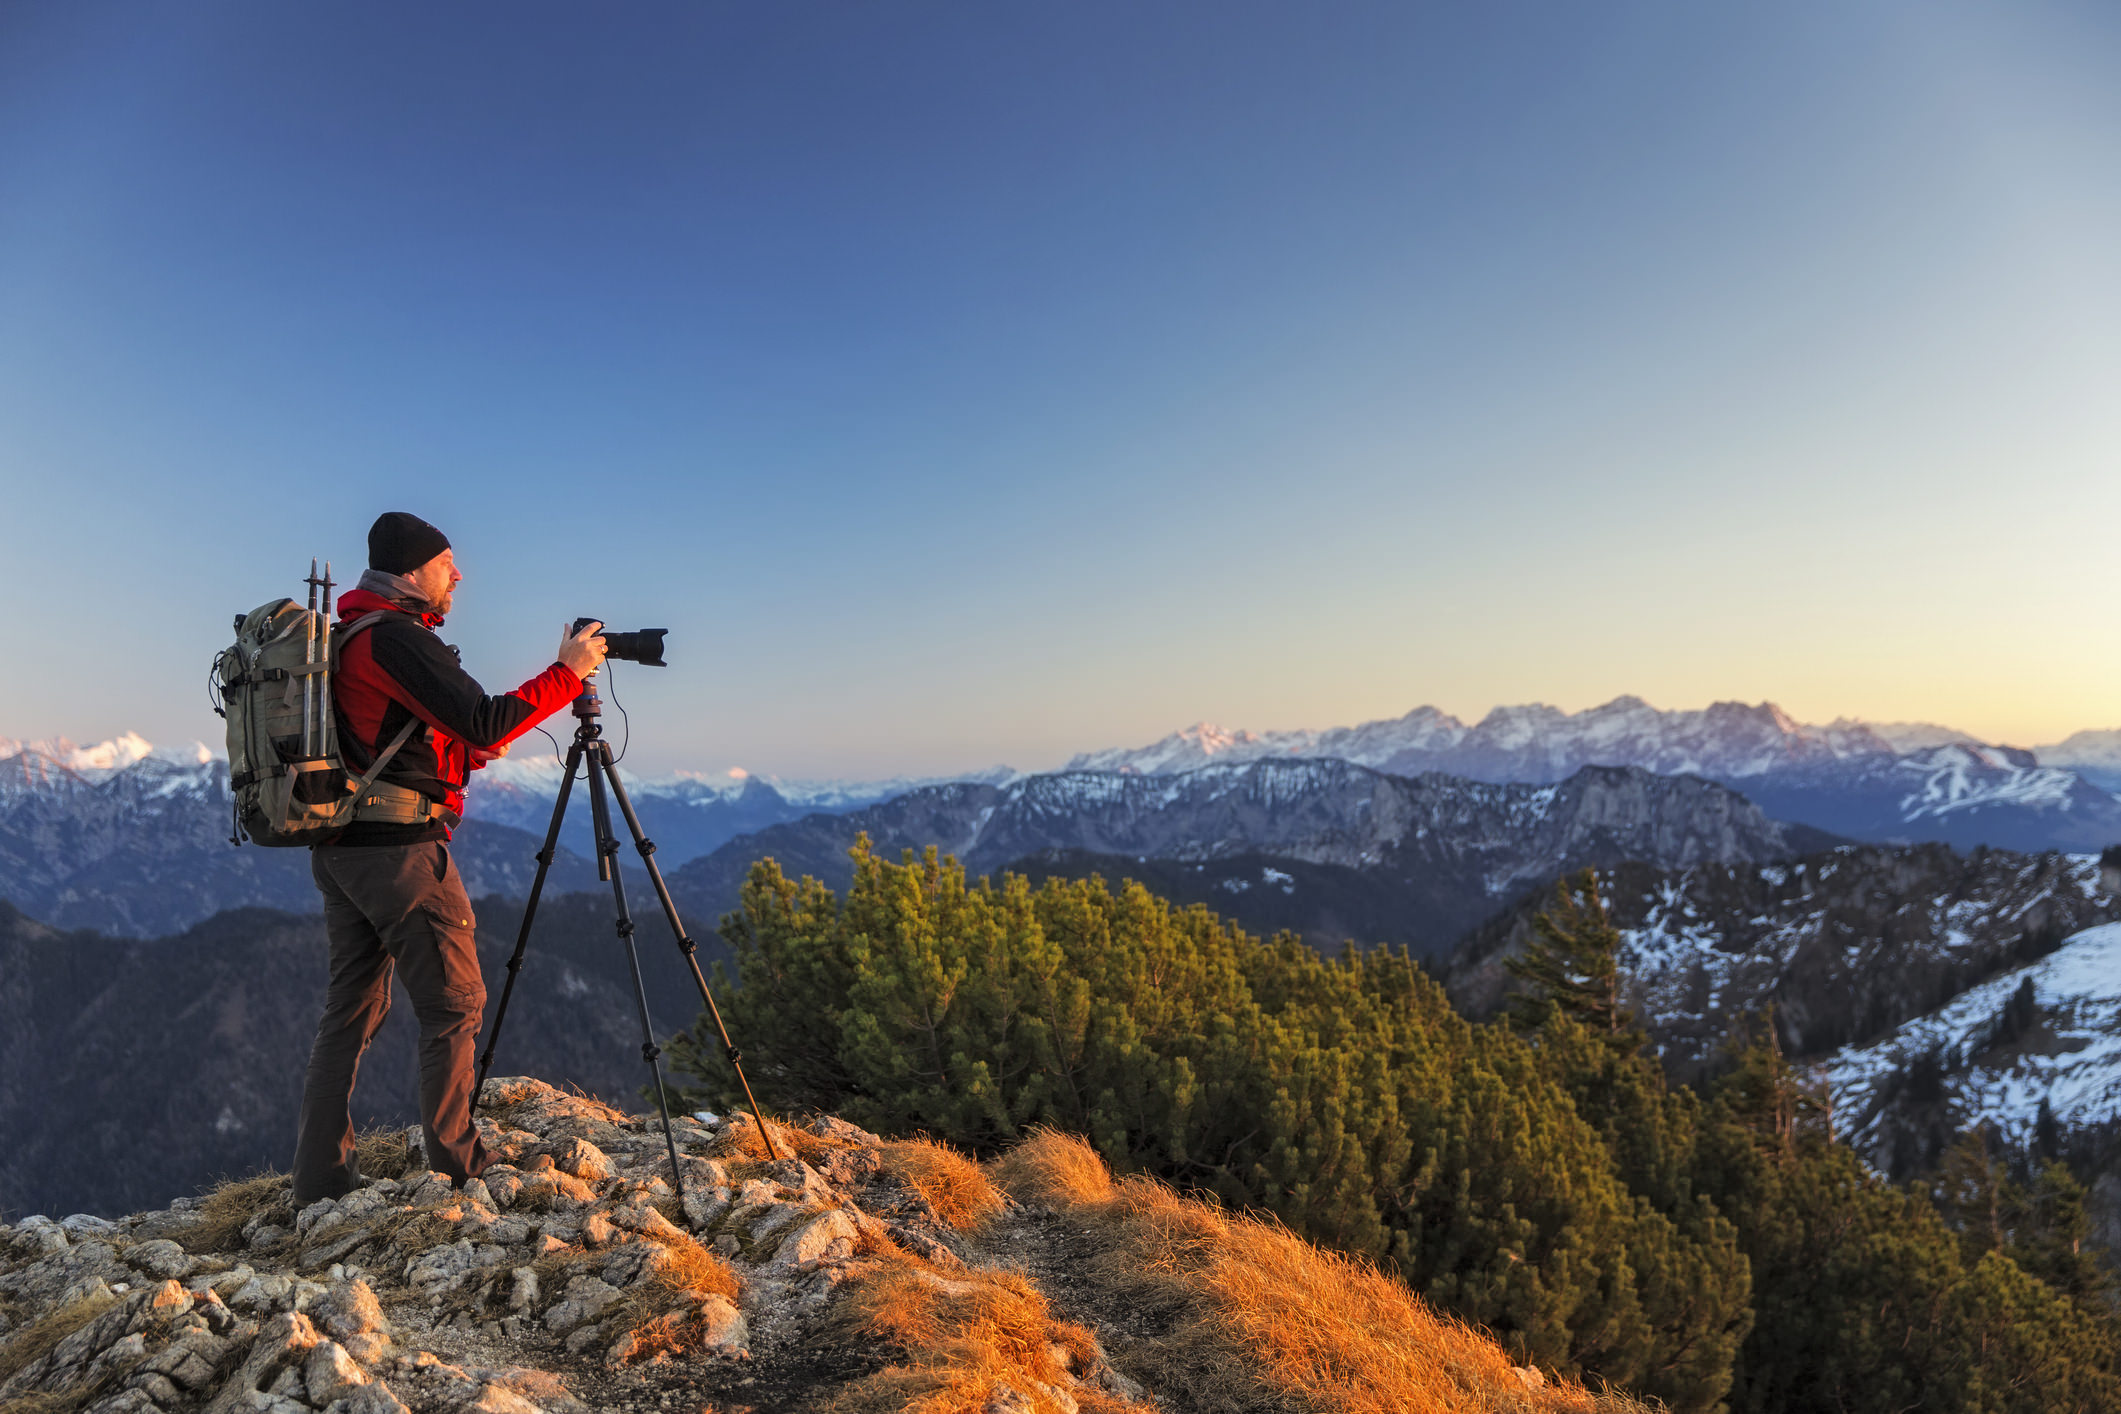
{"x":588,"y":707}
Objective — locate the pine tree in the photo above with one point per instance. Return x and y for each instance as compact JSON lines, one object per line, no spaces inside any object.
{"x":1571,"y":965}
{"x":1545,"y":1183}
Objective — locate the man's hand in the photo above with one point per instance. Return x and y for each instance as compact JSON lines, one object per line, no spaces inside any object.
{"x":582,"y":653}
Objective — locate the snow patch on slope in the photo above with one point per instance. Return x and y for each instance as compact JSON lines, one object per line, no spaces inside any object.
{"x":2075,"y":1067}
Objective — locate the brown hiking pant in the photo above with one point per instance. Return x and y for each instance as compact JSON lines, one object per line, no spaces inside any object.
{"x":384,"y":905}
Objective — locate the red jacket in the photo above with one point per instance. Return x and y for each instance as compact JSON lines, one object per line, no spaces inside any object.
{"x":398,"y":670}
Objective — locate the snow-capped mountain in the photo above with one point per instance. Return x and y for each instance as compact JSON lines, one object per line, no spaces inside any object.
{"x":1533,"y":742}
{"x":132,"y":839}
{"x":1896,"y":782}
{"x":2094,"y":755}
{"x":1428,"y":857}
{"x":2041,"y":1038}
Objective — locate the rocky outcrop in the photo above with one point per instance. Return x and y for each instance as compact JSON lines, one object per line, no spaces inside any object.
{"x":570,"y":1276}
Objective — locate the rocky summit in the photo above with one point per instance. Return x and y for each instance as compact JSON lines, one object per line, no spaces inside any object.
{"x":848,"y":1273}
{"x":568,"y":1277}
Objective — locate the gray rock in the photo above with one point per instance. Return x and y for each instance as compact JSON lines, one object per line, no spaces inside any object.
{"x":88,"y":1289}
{"x":724,"y":1329}
{"x":704,"y":1207}
{"x":585,"y":1299}
{"x":509,"y":1232}
{"x":284,"y":1341}
{"x":374,"y":1397}
{"x":125,"y":1401}
{"x":424,"y":1190}
{"x":330,"y":1373}
{"x":802,"y":1180}
{"x":830,"y":1236}
{"x":159,"y":1388}
{"x":188,"y":1360}
{"x":582,"y":1159}
{"x":161,"y":1257}
{"x":503,"y":1182}
{"x":219,"y":1319}
{"x":499,"y":1399}
{"x":441,"y":1269}
{"x":625,"y":1266}
{"x":350,"y":1309}
{"x":833,"y":1127}
{"x":264,"y":1294}
{"x":316,"y":1212}
{"x":234,"y":1279}
{"x":90,"y":1340}
{"x":43,"y":1281}
{"x":120,"y":1354}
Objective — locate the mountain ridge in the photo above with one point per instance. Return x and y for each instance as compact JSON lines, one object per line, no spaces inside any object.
{"x":1896,"y":782}
{"x":1456,"y":849}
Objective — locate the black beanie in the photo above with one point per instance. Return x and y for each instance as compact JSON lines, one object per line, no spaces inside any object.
{"x":400,"y":542}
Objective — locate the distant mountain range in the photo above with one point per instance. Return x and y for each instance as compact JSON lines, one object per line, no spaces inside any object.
{"x":143,"y":849}
{"x":131,"y":840}
{"x":1896,"y":782}
{"x":1317,"y":846}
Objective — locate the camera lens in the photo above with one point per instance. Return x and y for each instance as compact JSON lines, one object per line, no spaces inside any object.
{"x":643,"y":646}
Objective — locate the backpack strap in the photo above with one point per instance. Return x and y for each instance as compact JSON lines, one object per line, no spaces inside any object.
{"x":404,"y":735}
{"x":367,"y":779}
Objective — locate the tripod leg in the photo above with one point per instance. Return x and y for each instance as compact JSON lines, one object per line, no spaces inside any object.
{"x":530,"y":911}
{"x":607,"y":852}
{"x":646,"y":846}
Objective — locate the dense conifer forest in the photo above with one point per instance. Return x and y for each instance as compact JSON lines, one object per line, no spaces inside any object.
{"x":1538,"y":1175}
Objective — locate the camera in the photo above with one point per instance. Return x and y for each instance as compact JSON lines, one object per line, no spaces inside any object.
{"x":644,"y":645}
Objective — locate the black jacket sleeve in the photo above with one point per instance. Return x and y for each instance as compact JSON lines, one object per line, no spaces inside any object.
{"x":450,"y":698}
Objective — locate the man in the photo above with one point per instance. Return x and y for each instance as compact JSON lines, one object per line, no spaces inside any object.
{"x":392,"y":897}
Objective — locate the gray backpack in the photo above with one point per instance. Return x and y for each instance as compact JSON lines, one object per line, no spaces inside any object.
{"x":290,"y":782}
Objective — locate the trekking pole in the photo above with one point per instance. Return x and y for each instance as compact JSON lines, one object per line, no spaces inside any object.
{"x":309,"y":660}
{"x":324,"y":674}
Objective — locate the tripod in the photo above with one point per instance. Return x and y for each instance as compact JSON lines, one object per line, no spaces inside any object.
{"x":590,"y":746}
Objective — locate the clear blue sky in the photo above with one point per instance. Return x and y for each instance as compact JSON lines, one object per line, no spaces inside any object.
{"x":979,"y":382}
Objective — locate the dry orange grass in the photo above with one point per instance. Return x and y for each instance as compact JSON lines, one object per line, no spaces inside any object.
{"x":1263,"y":1320}
{"x":659,"y":1312}
{"x":739,"y":1139}
{"x":969,"y":1337}
{"x":230,"y":1206}
{"x":688,"y":1271}
{"x":383,"y":1153}
{"x":950,"y":1183}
